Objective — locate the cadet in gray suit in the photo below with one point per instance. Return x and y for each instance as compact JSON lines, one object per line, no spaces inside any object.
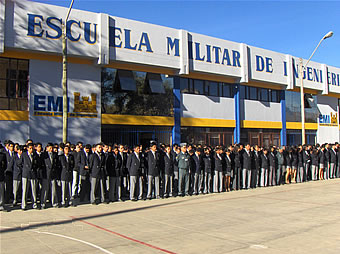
{"x":183,"y":160}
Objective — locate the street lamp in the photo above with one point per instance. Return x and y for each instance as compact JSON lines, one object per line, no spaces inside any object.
{"x":64,"y":82}
{"x":302,"y":68}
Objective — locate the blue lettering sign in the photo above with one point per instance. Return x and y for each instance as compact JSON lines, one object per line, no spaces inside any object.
{"x":173,"y":44}
{"x":113,"y":36}
{"x":39,"y":102}
{"x":197,"y":47}
{"x":32,"y":23}
{"x":55,"y":27}
{"x":87,"y":33}
{"x":259,"y":63}
{"x":68,"y":30}
{"x":144,"y":41}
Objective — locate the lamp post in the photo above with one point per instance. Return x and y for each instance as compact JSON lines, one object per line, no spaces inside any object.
{"x":64,"y":78}
{"x":302,"y":68}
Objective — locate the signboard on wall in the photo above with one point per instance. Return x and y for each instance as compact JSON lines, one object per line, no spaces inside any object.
{"x":328,"y":122}
{"x":46,"y":102}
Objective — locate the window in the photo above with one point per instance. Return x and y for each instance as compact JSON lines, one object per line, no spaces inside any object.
{"x":243,"y":92}
{"x":126,"y":81}
{"x":264,"y":94}
{"x":253,"y":93}
{"x":198,"y":86}
{"x":155,"y":83}
{"x":227,"y":90}
{"x":211,"y":88}
{"x":13,"y":84}
{"x":275,"y":96}
{"x":184,"y":84}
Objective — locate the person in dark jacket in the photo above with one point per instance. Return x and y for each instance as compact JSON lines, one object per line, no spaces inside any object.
{"x":273,"y":165}
{"x":238,"y":167}
{"x":17,"y":173}
{"x":67,"y":163}
{"x":51,"y":161}
{"x":247,"y":158}
{"x":133,"y":164}
{"x":153,"y":162}
{"x":300,"y":165}
{"x":218,"y":170}
{"x":3,"y":166}
{"x":228,"y":167}
{"x":207,"y":170}
{"x":333,"y":161}
{"x":29,"y":176}
{"x":256,"y":173}
{"x":198,"y":173}
{"x":264,"y":168}
{"x":168,"y":171}
{"x":315,"y":164}
{"x":84,"y":171}
{"x":96,"y":167}
{"x":321,"y":162}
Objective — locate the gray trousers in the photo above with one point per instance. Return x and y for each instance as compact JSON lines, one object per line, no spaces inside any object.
{"x":315,"y":172}
{"x":326,"y":171}
{"x":44,"y":190}
{"x":114,"y":186}
{"x":168,"y":183}
{"x":97,"y":183}
{"x":2,"y":193}
{"x":198,"y":183}
{"x":207,"y":182}
{"x":25,"y":187}
{"x":54,"y":193}
{"x":134,"y":180}
{"x":218,"y":181}
{"x":271,"y":176}
{"x":264,"y":177}
{"x":75,"y":184}
{"x":150,"y":183}
{"x":332,"y":170}
{"x":246,"y":178}
{"x":175,"y":185}
{"x":183,"y":180}
{"x":306,"y":176}
{"x":300,"y":174}
{"x":16,"y":187}
{"x":279,"y":171}
{"x":66,"y":192}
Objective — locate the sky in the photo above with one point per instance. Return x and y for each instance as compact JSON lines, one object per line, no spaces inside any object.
{"x":289,"y":27}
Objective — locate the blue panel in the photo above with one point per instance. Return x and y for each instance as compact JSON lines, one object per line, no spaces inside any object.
{"x":237,"y":130}
{"x":283,"y":119}
{"x":176,"y":130}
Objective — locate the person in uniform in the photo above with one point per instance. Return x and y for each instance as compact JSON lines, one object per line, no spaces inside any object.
{"x":133,"y":164}
{"x":153,"y":162}
{"x":183,"y":160}
{"x":207,"y":170}
{"x":51,"y":161}
{"x":247,"y":158}
{"x":198,"y":176}
{"x":67,"y":163}
{"x":3,"y":166}
{"x":218,"y":172}
{"x":17,"y":173}
{"x":96,"y":167}
{"x":29,"y":176}
{"x":168,"y":171}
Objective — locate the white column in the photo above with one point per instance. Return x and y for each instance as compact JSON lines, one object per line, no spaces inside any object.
{"x":184,"y":52}
{"x":290,"y":72}
{"x":244,"y":63}
{"x":324,"y":79}
{"x":104,"y":50}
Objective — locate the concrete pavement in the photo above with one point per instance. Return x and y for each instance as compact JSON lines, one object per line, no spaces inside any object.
{"x":296,"y":218}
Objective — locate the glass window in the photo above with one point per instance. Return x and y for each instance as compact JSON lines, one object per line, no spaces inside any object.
{"x":155,"y":83}
{"x":274,"y":96}
{"x":227,"y":90}
{"x":253,"y":93}
{"x":213,"y":88}
{"x":264,"y":94}
{"x":184,"y":84}
{"x":13,"y":84}
{"x":198,"y":86}
{"x":126,"y":80}
{"x":243,"y":92}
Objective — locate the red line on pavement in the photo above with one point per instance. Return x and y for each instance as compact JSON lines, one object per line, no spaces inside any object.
{"x":127,"y":237}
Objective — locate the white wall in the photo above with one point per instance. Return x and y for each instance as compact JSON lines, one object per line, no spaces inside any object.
{"x":260,"y":111}
{"x":201,"y":106}
{"x":17,"y":131}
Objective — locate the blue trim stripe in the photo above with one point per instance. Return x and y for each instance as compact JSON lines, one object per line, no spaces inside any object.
{"x":283,"y":119}
{"x":237,"y":130}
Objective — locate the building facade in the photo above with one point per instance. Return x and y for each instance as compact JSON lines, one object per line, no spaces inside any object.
{"x":129,"y":82}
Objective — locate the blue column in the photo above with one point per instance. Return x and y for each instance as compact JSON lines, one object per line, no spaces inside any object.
{"x":283,"y":119}
{"x":176,"y":130}
{"x":237,"y":130}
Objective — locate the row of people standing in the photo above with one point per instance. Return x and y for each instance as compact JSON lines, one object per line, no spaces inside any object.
{"x":67,"y":174}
